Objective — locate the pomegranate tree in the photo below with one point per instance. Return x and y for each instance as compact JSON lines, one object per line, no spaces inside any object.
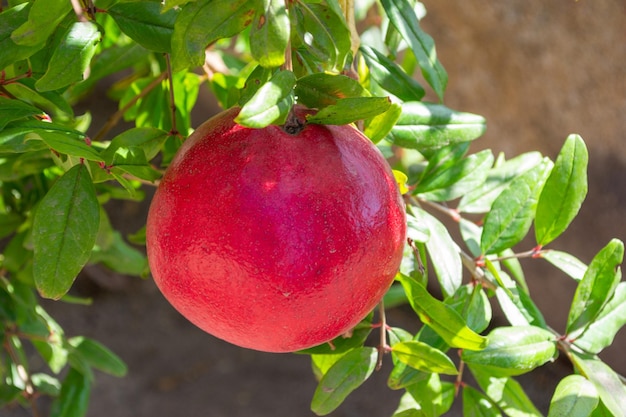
{"x":272,"y":240}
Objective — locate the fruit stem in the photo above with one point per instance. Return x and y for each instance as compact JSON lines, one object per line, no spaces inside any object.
{"x":296,"y":120}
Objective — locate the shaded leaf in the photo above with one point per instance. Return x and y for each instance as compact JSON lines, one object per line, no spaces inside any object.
{"x":11,"y":109}
{"x":145,"y":23}
{"x":425,"y":126}
{"x":98,"y":356}
{"x":575,"y":396}
{"x":514,"y":350}
{"x":321,"y":89}
{"x":596,"y":287}
{"x":64,"y":232}
{"x":564,"y":191}
{"x":43,"y":18}
{"x":10,"y":20}
{"x":476,"y":404}
{"x":73,"y":400}
{"x":346,"y":375}
{"x":63,"y":142}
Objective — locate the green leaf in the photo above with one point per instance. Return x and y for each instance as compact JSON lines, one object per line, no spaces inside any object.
{"x":132,"y":160}
{"x":512,"y":211}
{"x":203,"y":22}
{"x":11,"y":109}
{"x":603,"y":329}
{"x":43,"y":18}
{"x":480,"y":199}
{"x":380,"y":125}
{"x":442,"y":318}
{"x":575,"y":396}
{"x":71,"y":58}
{"x":432,"y":397}
{"x":257,"y":79}
{"x":514,"y":350}
{"x":476,"y":404}
{"x":50,"y":101}
{"x":147,"y":138}
{"x":98,"y":356}
{"x":64,"y":232}
{"x":66,"y":144}
{"x":564,"y":192}
{"x":390,"y":76}
{"x":443,"y":252}
{"x":144,"y":22}
{"x":320,"y":32}
{"x":349,"y":110}
{"x":517,"y":306}
{"x":346,"y":375}
{"x":269,"y":34}
{"x":271,"y":103}
{"x":74,"y":398}
{"x":608,"y":383}
{"x":403,"y":18}
{"x":507,"y":393}
{"x":425,"y":126}
{"x":567,"y":263}
{"x":453,"y":181}
{"x":10,"y":20}
{"x":595,"y":288}
{"x":424,"y":358}
{"x":321,"y":89}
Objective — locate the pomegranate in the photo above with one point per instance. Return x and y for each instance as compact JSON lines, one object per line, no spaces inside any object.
{"x":275,"y":241}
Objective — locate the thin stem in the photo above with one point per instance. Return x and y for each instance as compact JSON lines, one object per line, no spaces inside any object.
{"x":382,"y":346}
{"x":78,"y":10}
{"x":288,"y":65}
{"x":174,"y":131}
{"x":115,"y":117}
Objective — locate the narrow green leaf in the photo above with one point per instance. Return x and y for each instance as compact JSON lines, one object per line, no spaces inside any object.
{"x":441,"y":317}
{"x":271,"y":103}
{"x":74,"y":398}
{"x":147,"y":138}
{"x":512,"y":211}
{"x":476,"y":404}
{"x":424,"y":358}
{"x":380,"y":125}
{"x":425,"y":126}
{"x":43,"y":18}
{"x":98,"y":356}
{"x":269,"y":33}
{"x":564,"y":192}
{"x":144,"y":22}
{"x":403,"y":18}
{"x":50,"y":101}
{"x":12,"y":109}
{"x":11,"y":19}
{"x":391,"y":76}
{"x":517,"y":306}
{"x":480,"y":199}
{"x":575,"y":396}
{"x":321,"y":89}
{"x":452,"y":182}
{"x":514,"y":350}
{"x":567,"y":263}
{"x":66,"y":144}
{"x":64,"y":232}
{"x":349,"y":110}
{"x":607,"y":382}
{"x":71,"y":58}
{"x":346,"y":375}
{"x":603,"y":329}
{"x":507,"y":393}
{"x":443,"y":252}
{"x":203,"y":22}
{"x":596,"y":287}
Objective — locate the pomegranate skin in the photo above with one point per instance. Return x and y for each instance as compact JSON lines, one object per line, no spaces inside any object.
{"x":272,"y":241}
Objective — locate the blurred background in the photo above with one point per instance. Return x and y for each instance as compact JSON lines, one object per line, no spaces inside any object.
{"x":537,"y":71}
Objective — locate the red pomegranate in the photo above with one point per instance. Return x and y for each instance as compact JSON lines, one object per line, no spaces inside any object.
{"x":275,"y":241}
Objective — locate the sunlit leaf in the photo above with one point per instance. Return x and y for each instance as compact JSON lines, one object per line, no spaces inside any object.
{"x":269,"y":33}
{"x":423,"y":357}
{"x":575,"y":396}
{"x":566,"y":262}
{"x":607,"y":382}
{"x":564,"y":191}
{"x":349,"y":110}
{"x":271,"y":103}
{"x":476,"y":404}
{"x":379,"y":126}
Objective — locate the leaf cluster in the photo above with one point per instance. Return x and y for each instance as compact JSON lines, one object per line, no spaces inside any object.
{"x":58,"y":174}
